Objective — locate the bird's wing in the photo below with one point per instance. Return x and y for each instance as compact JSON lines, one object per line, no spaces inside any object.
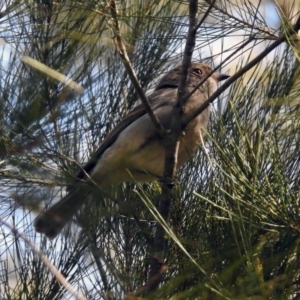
{"x":136,"y":113}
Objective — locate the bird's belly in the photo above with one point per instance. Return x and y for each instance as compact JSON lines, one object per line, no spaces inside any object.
{"x":148,"y":163}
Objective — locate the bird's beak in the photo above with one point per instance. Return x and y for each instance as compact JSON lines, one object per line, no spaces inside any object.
{"x":220,"y":76}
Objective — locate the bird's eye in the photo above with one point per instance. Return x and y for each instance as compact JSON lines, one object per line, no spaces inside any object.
{"x":198,"y":71}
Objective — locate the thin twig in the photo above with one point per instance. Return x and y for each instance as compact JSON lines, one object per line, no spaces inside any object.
{"x":240,"y":73}
{"x":130,"y":71}
{"x":60,"y":278}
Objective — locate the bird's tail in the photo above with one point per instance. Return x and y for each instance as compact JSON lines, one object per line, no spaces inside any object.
{"x":52,"y":221}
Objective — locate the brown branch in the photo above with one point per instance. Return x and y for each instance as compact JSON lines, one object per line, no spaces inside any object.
{"x":240,"y":73}
{"x":150,"y":284}
{"x":130,"y":71}
{"x":171,"y":144}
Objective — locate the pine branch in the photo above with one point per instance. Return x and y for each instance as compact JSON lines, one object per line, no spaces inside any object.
{"x":130,"y":71}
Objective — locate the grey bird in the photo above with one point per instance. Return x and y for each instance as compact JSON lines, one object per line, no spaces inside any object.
{"x":133,"y":150}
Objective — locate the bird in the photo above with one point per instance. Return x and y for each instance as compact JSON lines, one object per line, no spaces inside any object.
{"x":133,"y":151}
